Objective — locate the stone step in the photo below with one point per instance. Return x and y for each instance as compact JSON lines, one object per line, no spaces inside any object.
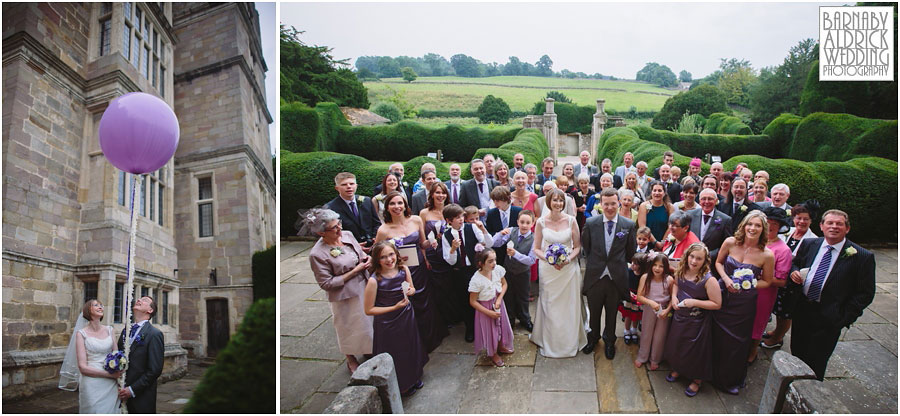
{"x":622,"y":388}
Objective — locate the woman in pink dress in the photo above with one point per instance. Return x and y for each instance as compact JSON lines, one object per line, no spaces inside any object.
{"x":777,"y":220}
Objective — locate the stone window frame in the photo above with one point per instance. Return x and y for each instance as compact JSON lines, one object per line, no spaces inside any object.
{"x":197,"y":202}
{"x":118,"y":301}
{"x":105,"y":45}
{"x":149,"y":206}
{"x":90,"y":284}
{"x":164,"y":303}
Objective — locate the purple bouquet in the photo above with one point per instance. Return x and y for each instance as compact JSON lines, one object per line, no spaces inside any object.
{"x":556,"y":253}
{"x":115,"y":361}
{"x":743,"y":279}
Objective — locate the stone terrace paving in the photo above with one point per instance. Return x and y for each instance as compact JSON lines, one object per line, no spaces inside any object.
{"x":862,"y":371}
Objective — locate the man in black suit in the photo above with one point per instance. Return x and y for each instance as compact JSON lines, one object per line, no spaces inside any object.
{"x":477,"y":191}
{"x":609,"y":241}
{"x":833,"y":281}
{"x":419,"y":199}
{"x":518,"y":164}
{"x":668,"y":159}
{"x":605,"y":167}
{"x":145,"y":359}
{"x":737,"y":206}
{"x":356,"y":211}
{"x":545,"y":175}
{"x":397,"y":170}
{"x":505,"y":215}
{"x":454,"y":184}
{"x":710,"y":225}
{"x":673,"y":189}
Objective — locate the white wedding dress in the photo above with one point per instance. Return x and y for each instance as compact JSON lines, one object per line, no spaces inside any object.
{"x":559,"y":321}
{"x":98,"y":394}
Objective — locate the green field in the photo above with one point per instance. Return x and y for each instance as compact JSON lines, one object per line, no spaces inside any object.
{"x":458,"y":93}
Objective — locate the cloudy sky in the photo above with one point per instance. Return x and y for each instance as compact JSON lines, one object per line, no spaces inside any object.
{"x":268,"y":36}
{"x":609,"y":38}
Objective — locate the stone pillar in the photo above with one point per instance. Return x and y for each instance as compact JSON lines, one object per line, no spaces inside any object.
{"x":597,"y":128}
{"x":551,"y":129}
{"x":379,"y":372}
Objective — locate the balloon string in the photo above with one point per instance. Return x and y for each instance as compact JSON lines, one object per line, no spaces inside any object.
{"x":136,"y":180}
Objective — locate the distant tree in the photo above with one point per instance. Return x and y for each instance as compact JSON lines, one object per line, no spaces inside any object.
{"x":310,"y":74}
{"x":544,"y":66}
{"x":513,"y":67}
{"x":368,"y":62}
{"x":493,"y":109}
{"x":703,"y":100}
{"x":409,"y":74}
{"x":492,"y":70}
{"x":684,"y":76}
{"x":465,"y":66}
{"x":364,"y":74}
{"x":388,"y":111}
{"x":655,"y":73}
{"x":528,"y":69}
{"x":558,"y":97}
{"x":388,"y":67}
{"x":737,"y":77}
{"x":778,"y":89}
{"x":439,"y":65}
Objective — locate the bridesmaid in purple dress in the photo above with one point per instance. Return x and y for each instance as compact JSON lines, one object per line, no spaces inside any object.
{"x":733,"y":324}
{"x":396,"y":332}
{"x":409,"y":231}
{"x":441,"y":285}
{"x":689,"y":342}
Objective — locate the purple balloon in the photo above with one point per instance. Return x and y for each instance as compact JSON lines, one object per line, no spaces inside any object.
{"x":138,"y":133}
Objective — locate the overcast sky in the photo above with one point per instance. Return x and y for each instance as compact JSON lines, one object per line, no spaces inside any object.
{"x":268,"y":33}
{"x":609,"y":38}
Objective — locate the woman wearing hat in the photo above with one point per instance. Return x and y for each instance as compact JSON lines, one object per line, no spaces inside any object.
{"x":777,"y":220}
{"x":803,"y":215}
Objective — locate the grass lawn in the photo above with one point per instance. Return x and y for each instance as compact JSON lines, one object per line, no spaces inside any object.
{"x":467,"y":122}
{"x":458,"y":93}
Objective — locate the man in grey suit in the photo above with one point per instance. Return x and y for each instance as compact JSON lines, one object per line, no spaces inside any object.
{"x":609,"y":241}
{"x":418,"y":200}
{"x":477,"y":191}
{"x":145,"y":359}
{"x":710,"y":225}
{"x":585,"y":165}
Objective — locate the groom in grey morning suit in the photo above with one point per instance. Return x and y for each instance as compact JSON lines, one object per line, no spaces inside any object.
{"x":609,"y":241}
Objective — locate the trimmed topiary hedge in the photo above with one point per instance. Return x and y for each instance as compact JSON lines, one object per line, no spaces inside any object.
{"x":305,"y":129}
{"x":571,"y":117}
{"x":781,"y":129}
{"x":698,"y":145}
{"x":866,"y":188}
{"x":263,"y":271}
{"x":721,"y":123}
{"x":243,"y":378}
{"x":835,"y":137}
{"x":406,"y":140}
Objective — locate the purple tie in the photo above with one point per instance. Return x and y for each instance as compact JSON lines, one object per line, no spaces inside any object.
{"x":353,"y":208}
{"x":609,"y":227}
{"x":455,"y":195}
{"x":521,"y":237}
{"x":706,"y":219}
{"x":815,"y":287}
{"x":481,"y":188}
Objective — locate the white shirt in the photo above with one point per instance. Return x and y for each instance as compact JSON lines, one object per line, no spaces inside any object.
{"x":451,"y":258}
{"x":705,"y":225}
{"x":487,"y":289}
{"x":835,"y":253}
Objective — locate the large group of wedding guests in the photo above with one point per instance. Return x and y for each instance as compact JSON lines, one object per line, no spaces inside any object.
{"x":695,"y":265}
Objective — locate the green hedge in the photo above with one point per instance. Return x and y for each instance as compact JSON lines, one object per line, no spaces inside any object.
{"x":570,"y":117}
{"x":835,"y":137}
{"x":263,"y":271}
{"x":406,"y":140}
{"x":781,"y":129}
{"x":243,"y":378}
{"x":866,"y":188}
{"x":697,"y":145}
{"x":305,"y":129}
{"x":721,"y":123}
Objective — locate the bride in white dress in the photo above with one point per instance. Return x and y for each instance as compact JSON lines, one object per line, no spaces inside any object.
{"x":559,"y":322}
{"x":83,"y":364}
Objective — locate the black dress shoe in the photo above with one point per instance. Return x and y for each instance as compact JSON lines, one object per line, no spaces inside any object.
{"x":470,"y":336}
{"x":528,"y":326}
{"x":610,"y":350}
{"x":589,"y":348}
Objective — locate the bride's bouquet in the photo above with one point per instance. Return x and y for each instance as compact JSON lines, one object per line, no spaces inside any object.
{"x":115,"y":361}
{"x":743,"y":279}
{"x":556,"y":253}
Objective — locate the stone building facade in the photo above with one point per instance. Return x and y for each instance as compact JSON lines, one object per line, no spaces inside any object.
{"x":66,"y":208}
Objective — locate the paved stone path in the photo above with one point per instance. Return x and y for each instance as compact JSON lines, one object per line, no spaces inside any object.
{"x":171,"y":397}
{"x":863,"y":370}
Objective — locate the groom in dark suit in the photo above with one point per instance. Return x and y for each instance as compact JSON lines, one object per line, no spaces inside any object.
{"x":840,"y":284}
{"x":609,"y":241}
{"x":145,"y":359}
